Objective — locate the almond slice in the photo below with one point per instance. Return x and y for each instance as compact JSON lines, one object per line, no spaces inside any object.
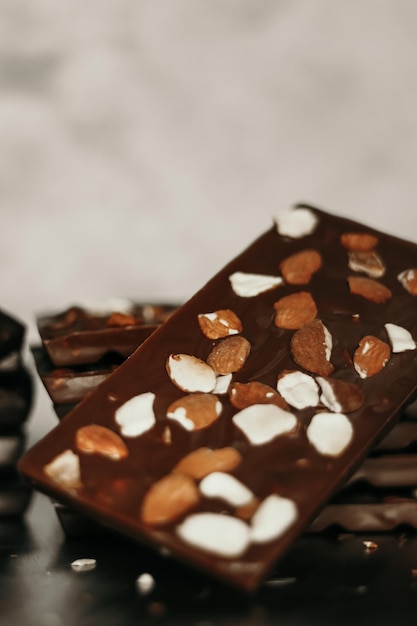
{"x":294,"y":311}
{"x":371,"y":356}
{"x":296,"y":222}
{"x":219,"y":324}
{"x":195,"y":411}
{"x":242,"y":395}
{"x":298,"y":268}
{"x":190,"y":373}
{"x":311,"y":348}
{"x":408,"y":279}
{"x":368,"y":262}
{"x":97,"y":439}
{"x":204,"y":461}
{"x":248,"y":285}
{"x":261,"y":423}
{"x":64,"y":470}
{"x":369,"y":289}
{"x":330,"y":433}
{"x":359,"y":242}
{"x":168,"y":499}
{"x":229,"y":355}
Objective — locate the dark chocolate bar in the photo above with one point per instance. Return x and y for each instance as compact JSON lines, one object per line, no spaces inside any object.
{"x":79,"y":335}
{"x":315,"y":324}
{"x":16,"y":392}
{"x":11,"y":449}
{"x":15,"y":496}
{"x":11,"y":336}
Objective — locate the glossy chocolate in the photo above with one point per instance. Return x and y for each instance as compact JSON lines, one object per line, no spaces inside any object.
{"x":78,"y":335}
{"x":113,"y":491}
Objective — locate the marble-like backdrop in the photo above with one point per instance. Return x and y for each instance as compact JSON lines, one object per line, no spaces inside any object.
{"x":143,"y":143}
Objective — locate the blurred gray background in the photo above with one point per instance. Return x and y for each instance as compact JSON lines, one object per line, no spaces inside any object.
{"x":143,"y":143}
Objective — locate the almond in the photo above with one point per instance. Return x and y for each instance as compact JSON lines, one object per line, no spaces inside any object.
{"x":369,"y":289}
{"x":242,"y":395}
{"x":219,"y":324}
{"x":368,"y":262}
{"x":294,"y":311}
{"x":229,"y":355}
{"x":168,"y":499}
{"x":298,"y":268}
{"x":359,"y":242}
{"x":204,"y":461}
{"x":408,"y":279}
{"x":371,"y":356}
{"x":189,"y":373}
{"x":340,"y":396}
{"x":311,"y":348}
{"x":64,"y":470}
{"x":100,"y":440}
{"x":195,"y":411}
{"x":122,"y":319}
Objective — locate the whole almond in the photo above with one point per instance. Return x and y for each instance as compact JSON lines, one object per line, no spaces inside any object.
{"x":311,"y":347}
{"x":298,"y":268}
{"x":359,"y":242}
{"x":369,"y":289}
{"x":368,"y":262}
{"x":203,"y":461}
{"x":195,"y":411}
{"x":229,"y":355}
{"x":242,"y":395}
{"x":168,"y":499}
{"x":371,"y":356}
{"x":219,"y":324}
{"x":122,"y":319}
{"x":340,"y":396}
{"x":97,"y":439}
{"x":408,"y":279}
{"x":190,"y":373}
{"x":294,"y":311}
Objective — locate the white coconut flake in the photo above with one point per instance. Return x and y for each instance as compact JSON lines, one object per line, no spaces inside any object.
{"x":219,"y":534}
{"x":330,"y":433}
{"x":249,"y":285}
{"x":296,"y":223}
{"x":226,"y":487}
{"x":136,"y":416}
{"x":261,"y":423}
{"x":64,"y":470}
{"x":400,"y":338}
{"x":190,"y":373}
{"x":222,"y":384}
{"x":83,"y":565}
{"x":272,"y":518}
{"x":300,"y":390}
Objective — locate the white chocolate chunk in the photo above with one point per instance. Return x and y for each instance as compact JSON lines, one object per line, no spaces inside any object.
{"x":64,"y":470}
{"x":219,"y":534}
{"x":330,"y":433}
{"x":190,"y":373}
{"x":226,"y":487}
{"x":145,"y":584}
{"x":222,"y":384}
{"x":261,"y":423}
{"x":328,"y":397}
{"x":249,"y":285}
{"x":400,"y":338}
{"x":136,"y":416}
{"x":298,"y":389}
{"x":296,"y":223}
{"x":83,"y":565}
{"x":272,"y":518}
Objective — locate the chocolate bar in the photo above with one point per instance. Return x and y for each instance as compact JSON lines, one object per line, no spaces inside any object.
{"x":16,"y":392}
{"x":11,"y":336}
{"x":15,"y":496}
{"x":79,"y":335}
{"x":225,"y":433}
{"x":11,"y":449}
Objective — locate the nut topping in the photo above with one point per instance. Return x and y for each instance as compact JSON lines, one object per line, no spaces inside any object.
{"x":330,"y":433}
{"x":249,"y":285}
{"x":298,"y":268}
{"x":408,"y":279}
{"x":296,"y":223}
{"x":400,"y":338}
{"x":368,"y":262}
{"x":311,"y":348}
{"x":242,"y":395}
{"x":359,"y":242}
{"x":294,"y":311}
{"x":371,"y":356}
{"x":369,"y":289}
{"x":136,"y":416}
{"x":261,"y":423}
{"x":215,"y":533}
{"x":94,"y":438}
{"x":272,"y":518}
{"x":219,"y":324}
{"x":64,"y":470}
{"x":298,"y":389}
{"x":168,"y":499}
{"x":340,"y":396}
{"x":195,"y":411}
{"x":229,"y":355}
{"x":190,"y":373}
{"x":122,"y":319}
{"x":204,"y":461}
{"x":226,"y":487}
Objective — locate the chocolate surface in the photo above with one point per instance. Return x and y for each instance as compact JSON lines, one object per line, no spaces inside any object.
{"x":114,"y":491}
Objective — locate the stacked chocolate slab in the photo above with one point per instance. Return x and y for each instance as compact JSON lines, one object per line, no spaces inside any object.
{"x":15,"y":404}
{"x":228,"y":431}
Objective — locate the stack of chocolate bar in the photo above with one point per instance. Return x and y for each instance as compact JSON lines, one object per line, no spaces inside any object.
{"x":15,"y":404}
{"x":263,"y":408}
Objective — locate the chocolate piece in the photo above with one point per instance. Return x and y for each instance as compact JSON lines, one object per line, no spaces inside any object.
{"x":11,"y":335}
{"x":15,"y":496}
{"x":11,"y":449}
{"x":16,"y":392}
{"x":292,"y":462}
{"x":62,"y":410}
{"x":79,"y":335}
{"x":401,"y":437}
{"x":71,"y":384}
{"x":387,"y":471}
